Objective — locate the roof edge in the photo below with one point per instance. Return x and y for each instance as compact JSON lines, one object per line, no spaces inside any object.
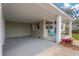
{"x":61,"y":11}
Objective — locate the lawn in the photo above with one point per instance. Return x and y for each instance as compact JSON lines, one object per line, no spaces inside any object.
{"x":75,"y":36}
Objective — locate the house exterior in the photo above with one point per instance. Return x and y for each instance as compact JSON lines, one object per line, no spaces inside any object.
{"x":17,"y":20}
{"x":75,"y":26}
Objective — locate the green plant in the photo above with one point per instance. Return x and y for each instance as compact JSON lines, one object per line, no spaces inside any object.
{"x":75,"y":31}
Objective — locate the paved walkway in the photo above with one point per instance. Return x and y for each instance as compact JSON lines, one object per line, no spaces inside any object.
{"x":59,"y":50}
{"x":76,"y":42}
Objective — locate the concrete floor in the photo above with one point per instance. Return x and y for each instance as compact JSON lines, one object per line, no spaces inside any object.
{"x":25,"y":46}
{"x":59,"y":50}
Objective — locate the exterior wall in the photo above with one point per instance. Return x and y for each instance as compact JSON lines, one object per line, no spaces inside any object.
{"x":2,"y":37}
{"x":45,"y":31}
{"x":75,"y":27}
{"x":38,"y":33}
{"x":63,"y":24}
{"x":16,"y":29}
{"x":42,"y":32}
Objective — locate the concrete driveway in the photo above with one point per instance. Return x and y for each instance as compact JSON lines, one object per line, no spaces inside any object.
{"x":26,"y":46}
{"x":31,"y":46}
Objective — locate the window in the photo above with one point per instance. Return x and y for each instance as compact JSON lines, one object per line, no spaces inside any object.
{"x":62,"y":26}
{"x":49,"y":25}
{"x":36,"y":26}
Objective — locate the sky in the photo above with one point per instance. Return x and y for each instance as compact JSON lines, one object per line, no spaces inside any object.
{"x":69,"y":6}
{"x":66,"y":4}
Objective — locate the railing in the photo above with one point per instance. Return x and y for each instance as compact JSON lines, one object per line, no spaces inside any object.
{"x":52,"y":33}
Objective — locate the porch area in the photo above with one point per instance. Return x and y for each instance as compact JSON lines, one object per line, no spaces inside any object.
{"x":58,"y":28}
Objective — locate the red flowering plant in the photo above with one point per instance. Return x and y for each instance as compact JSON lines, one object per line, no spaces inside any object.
{"x":66,"y":41}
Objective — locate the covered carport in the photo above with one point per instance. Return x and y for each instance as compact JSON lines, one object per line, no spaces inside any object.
{"x":19,"y":36}
{"x":19,"y":18}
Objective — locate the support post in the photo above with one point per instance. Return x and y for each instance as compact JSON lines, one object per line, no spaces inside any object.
{"x":70,"y":28}
{"x":58,"y":34}
{"x":44,"y":29}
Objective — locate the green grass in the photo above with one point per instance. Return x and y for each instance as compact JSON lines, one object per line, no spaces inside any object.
{"x":62,"y":33}
{"x":75,"y":36}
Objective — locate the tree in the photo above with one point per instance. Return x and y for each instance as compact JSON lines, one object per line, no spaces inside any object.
{"x":71,"y":12}
{"x":76,"y":21}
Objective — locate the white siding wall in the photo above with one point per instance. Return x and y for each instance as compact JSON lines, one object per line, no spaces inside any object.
{"x":2,"y":37}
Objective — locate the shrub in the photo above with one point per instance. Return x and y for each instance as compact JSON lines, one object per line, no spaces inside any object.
{"x":75,"y":31}
{"x":66,"y":41}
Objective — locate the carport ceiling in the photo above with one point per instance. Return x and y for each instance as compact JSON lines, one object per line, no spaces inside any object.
{"x":26,"y":12}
